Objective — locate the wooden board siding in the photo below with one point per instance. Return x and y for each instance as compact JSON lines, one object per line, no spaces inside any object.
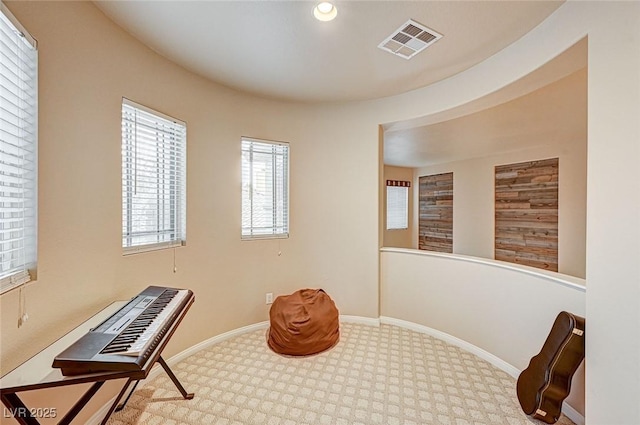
{"x":526,"y":213}
{"x":435,"y":231}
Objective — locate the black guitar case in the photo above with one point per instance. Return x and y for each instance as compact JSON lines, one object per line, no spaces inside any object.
{"x":546,"y":382}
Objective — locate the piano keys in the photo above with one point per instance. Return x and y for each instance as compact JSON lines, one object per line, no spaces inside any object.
{"x":128,"y":338}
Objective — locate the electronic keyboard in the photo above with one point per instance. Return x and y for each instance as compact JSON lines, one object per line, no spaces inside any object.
{"x":129,"y":337}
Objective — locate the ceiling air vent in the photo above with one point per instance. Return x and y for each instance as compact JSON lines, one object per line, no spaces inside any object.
{"x":409,"y":40}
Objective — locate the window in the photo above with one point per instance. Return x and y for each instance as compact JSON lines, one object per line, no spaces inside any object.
{"x":397,"y":204}
{"x":18,"y":152}
{"x":153,"y":179}
{"x":265,"y":189}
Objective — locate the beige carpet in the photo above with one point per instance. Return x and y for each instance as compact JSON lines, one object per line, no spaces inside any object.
{"x":386,"y":375}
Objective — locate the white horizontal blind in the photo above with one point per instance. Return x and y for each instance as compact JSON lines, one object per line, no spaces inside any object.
{"x":397,"y":207}
{"x":18,"y":152}
{"x":153,"y":179}
{"x":265,"y":189}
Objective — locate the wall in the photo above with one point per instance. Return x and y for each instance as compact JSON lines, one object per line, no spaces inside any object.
{"x":87,"y":64}
{"x":613,"y":181}
{"x":503,"y":309}
{"x":399,"y":238}
{"x":473,"y":205}
{"x":474,"y":211}
{"x":613,"y":208}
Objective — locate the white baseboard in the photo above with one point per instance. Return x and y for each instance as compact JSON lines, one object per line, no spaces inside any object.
{"x":157,"y":369}
{"x":216,"y":340}
{"x":572,"y":414}
{"x":369,"y":321}
{"x":485,"y":355}
{"x":569,"y":411}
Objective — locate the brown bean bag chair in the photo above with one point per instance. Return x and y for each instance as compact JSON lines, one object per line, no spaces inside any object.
{"x":303,"y":323}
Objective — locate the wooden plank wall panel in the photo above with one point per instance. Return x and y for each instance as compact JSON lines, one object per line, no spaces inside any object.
{"x":435,"y":231}
{"x":526,"y":213}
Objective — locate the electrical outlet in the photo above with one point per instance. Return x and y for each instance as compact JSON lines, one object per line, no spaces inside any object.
{"x":269,"y":298}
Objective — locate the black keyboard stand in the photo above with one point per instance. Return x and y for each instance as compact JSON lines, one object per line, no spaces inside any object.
{"x":116,"y":408}
{"x":174,"y":379}
{"x":22,"y":379}
{"x":124,"y":403}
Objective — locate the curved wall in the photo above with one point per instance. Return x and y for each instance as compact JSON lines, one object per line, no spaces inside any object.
{"x":503,"y":309}
{"x":474,"y":178}
{"x":613,"y":180}
{"x":87,"y":64}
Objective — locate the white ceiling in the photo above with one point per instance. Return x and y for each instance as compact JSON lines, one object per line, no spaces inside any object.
{"x":277,"y":49}
{"x":549,"y":106}
{"x":553,"y":115}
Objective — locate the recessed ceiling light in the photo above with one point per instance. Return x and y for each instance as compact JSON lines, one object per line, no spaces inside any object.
{"x":325,"y":11}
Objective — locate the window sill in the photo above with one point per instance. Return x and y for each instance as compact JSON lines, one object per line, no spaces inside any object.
{"x":16,"y":281}
{"x":263,"y":237}
{"x":126,"y":251}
